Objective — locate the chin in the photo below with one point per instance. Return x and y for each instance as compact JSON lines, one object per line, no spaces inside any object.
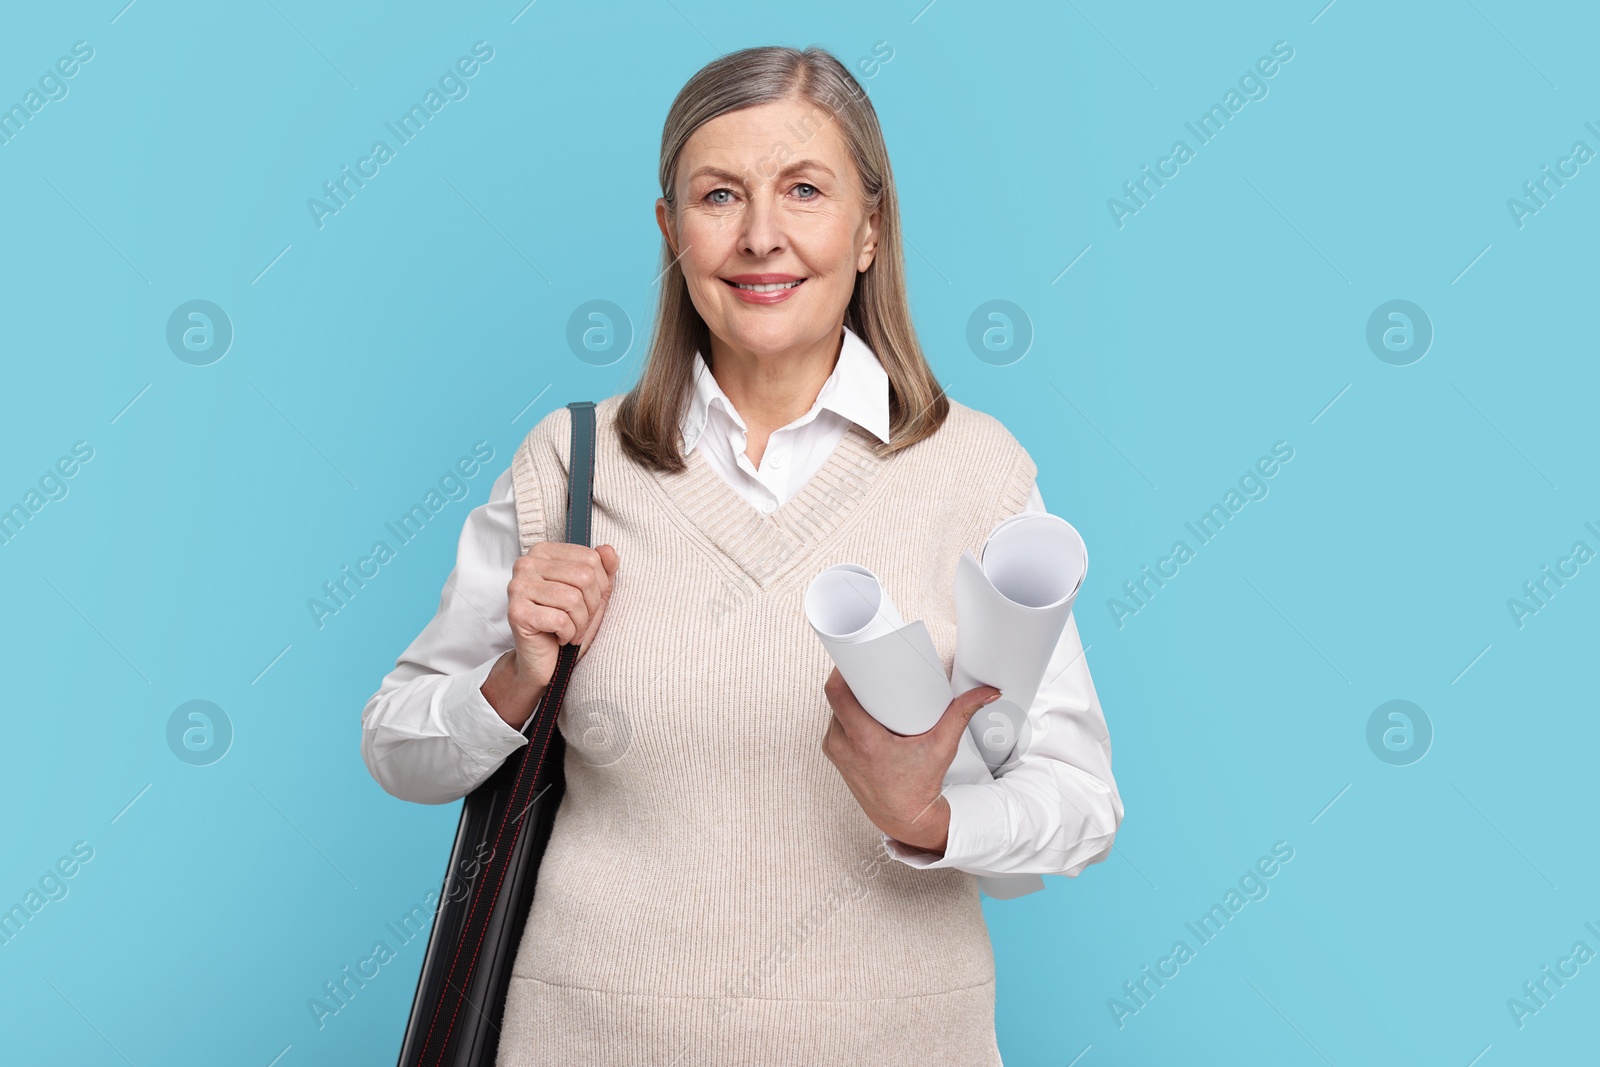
{"x":770,"y":336}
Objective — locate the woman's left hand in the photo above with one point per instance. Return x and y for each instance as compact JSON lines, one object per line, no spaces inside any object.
{"x":896,"y":779}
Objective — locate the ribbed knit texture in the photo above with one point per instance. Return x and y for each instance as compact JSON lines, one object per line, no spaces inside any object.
{"x":712,"y":893}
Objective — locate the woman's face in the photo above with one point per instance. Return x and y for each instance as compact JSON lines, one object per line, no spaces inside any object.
{"x":769,"y":194}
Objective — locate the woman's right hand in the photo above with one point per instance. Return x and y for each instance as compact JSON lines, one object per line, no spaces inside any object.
{"x":557,"y":595}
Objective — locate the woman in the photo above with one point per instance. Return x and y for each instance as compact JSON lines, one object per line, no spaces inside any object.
{"x":746,"y":867}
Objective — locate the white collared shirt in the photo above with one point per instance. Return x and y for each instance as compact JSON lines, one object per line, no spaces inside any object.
{"x":857,"y":391}
{"x":429,"y":735}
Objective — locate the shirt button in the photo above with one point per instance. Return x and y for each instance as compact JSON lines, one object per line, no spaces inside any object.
{"x":776,"y":462}
{"x":766,"y":507}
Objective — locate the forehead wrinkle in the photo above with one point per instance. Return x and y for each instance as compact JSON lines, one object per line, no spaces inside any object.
{"x":788,"y":168}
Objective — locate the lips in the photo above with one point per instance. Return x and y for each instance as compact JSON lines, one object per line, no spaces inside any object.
{"x":771,"y":287}
{"x":764,"y":283}
{"x":764,"y":288}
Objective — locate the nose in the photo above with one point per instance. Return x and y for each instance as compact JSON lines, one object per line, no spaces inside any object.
{"x":763,"y":227}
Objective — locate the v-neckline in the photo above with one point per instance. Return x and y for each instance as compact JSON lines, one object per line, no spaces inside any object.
{"x":766,"y":546}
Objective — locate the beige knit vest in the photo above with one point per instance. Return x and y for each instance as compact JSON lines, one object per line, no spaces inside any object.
{"x":712,"y":893}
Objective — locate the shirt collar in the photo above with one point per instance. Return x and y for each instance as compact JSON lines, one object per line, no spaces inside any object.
{"x":858,"y":390}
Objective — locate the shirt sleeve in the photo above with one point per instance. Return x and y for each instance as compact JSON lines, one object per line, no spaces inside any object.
{"x":428,"y":734}
{"x":1054,"y":808}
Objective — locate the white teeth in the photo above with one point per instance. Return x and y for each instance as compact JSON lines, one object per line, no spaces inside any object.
{"x":774,"y":287}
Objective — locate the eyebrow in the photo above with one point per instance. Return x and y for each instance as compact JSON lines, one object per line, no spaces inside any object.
{"x":797,"y":165}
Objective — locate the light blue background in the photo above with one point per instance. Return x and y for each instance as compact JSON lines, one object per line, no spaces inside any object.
{"x":1228,"y":314}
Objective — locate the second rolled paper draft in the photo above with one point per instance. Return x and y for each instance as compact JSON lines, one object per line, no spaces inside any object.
{"x":1010,"y":610}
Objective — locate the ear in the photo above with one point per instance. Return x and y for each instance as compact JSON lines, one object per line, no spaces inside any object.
{"x":663,"y":215}
{"x":869,"y":247}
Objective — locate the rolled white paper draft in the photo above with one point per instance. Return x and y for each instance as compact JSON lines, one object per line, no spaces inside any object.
{"x":890,"y":665}
{"x":892,"y":668}
{"x":1010,"y":611}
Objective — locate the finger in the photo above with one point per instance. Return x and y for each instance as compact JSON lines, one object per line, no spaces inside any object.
{"x":545,"y":552}
{"x":536,"y":618}
{"x":593,"y":627}
{"x":856,"y":721}
{"x":575,"y":564}
{"x":601,"y":564}
{"x":556,"y":597}
{"x":963,"y":707}
{"x":584,"y":570}
{"x":832,"y":737}
{"x":555,"y":566}
{"x":609,"y":562}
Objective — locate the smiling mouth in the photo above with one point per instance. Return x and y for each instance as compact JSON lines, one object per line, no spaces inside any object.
{"x":773,"y":288}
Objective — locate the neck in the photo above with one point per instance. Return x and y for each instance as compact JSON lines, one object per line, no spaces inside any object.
{"x":772,"y":389}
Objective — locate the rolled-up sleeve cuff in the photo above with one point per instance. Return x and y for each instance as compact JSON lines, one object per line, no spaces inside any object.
{"x":471,"y":721}
{"x":977,"y":831}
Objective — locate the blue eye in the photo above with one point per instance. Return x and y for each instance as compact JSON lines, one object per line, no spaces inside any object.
{"x":815,"y":192}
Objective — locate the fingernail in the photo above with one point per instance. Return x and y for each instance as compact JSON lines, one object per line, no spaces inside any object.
{"x":990,"y":699}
